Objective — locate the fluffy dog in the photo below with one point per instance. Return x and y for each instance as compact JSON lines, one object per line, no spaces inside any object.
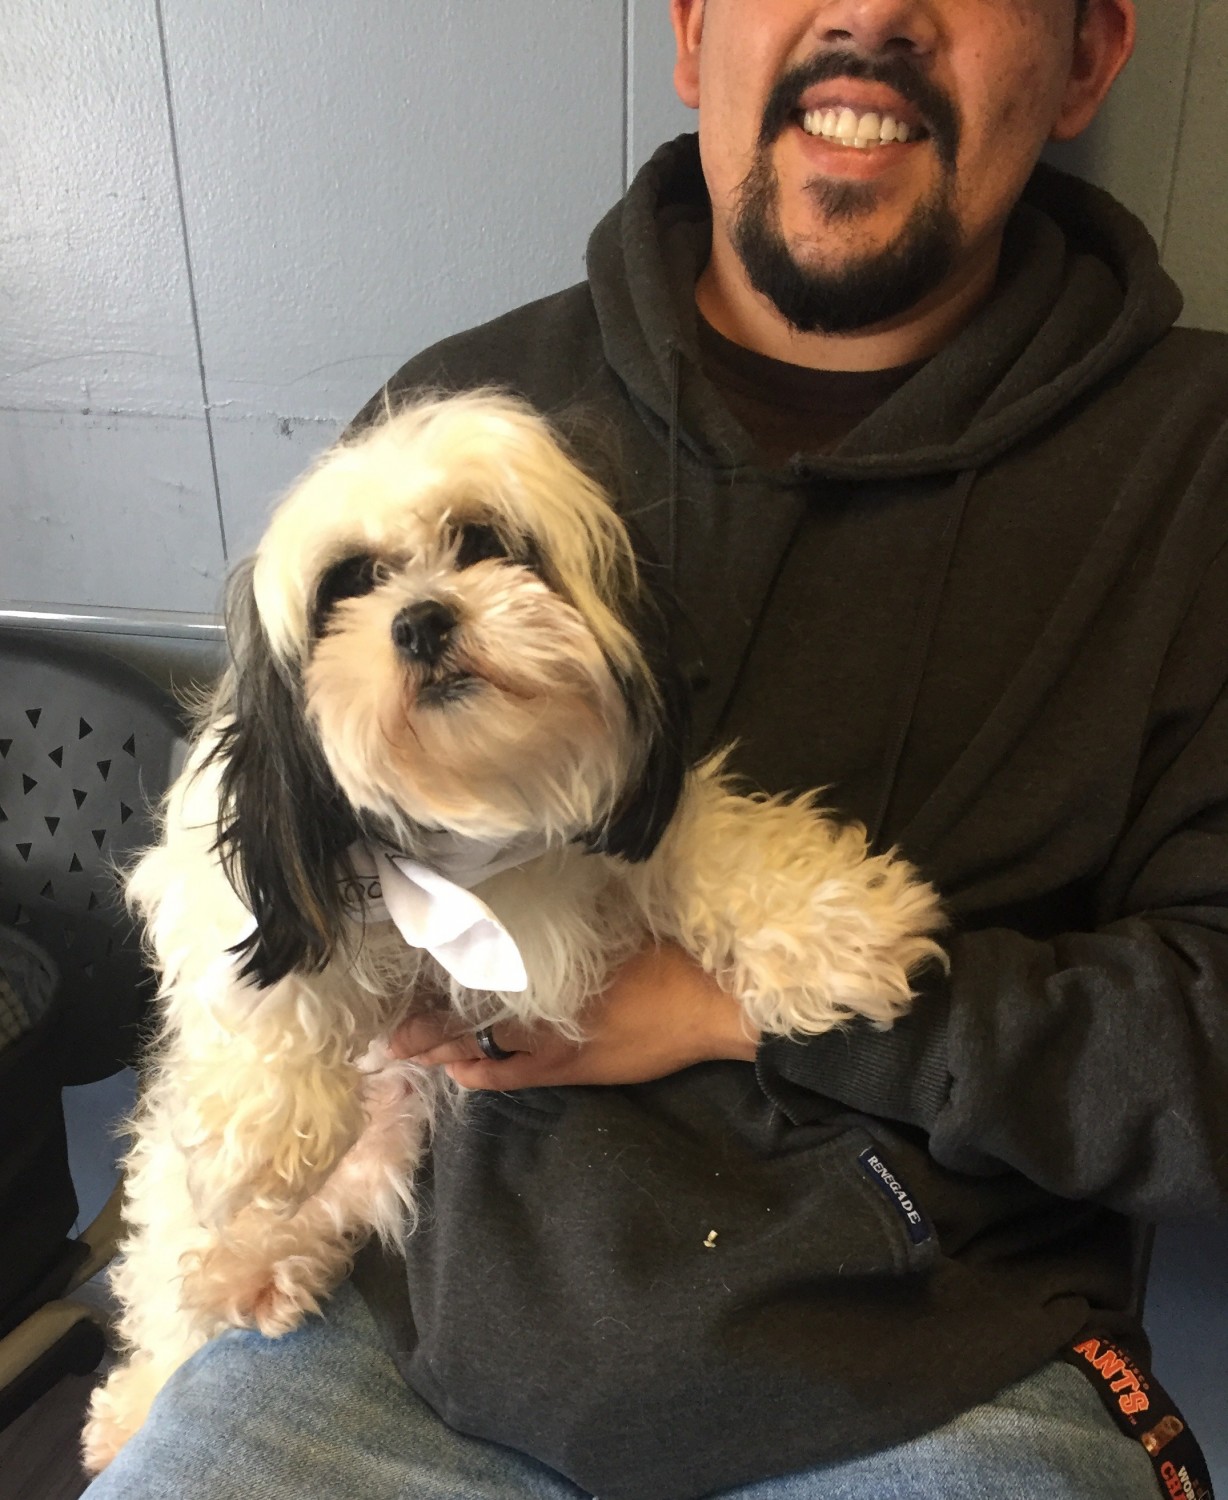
{"x":441,"y":721}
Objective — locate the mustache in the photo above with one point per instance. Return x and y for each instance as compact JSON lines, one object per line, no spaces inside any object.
{"x":939,"y":113}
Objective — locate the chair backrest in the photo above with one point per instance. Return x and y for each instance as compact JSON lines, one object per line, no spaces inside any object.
{"x":87,"y":748}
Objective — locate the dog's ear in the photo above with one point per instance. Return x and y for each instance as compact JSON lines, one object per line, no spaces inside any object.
{"x":283,"y":824}
{"x":658,"y":703}
{"x":640,"y":820}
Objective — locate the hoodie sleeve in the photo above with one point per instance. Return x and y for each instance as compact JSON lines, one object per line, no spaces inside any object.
{"x":1093,"y":1062}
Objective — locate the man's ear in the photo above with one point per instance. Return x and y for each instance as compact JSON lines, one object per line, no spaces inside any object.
{"x":1102,"y":48}
{"x":687,"y":19}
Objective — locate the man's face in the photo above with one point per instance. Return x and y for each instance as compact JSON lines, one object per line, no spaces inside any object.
{"x":859,"y":152}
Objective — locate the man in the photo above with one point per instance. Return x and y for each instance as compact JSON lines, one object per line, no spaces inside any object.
{"x":941,"y":496}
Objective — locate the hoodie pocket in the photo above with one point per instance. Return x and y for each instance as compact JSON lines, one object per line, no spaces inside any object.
{"x":908,"y":1224}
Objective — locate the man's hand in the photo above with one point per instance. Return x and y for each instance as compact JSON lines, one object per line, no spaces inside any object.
{"x":660,"y":1014}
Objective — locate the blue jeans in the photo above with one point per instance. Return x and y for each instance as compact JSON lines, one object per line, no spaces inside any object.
{"x":323,"y":1415}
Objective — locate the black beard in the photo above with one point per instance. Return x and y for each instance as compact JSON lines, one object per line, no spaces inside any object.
{"x":877,"y":287}
{"x":867,"y":291}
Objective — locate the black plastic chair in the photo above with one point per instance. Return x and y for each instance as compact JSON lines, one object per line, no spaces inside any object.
{"x":87,"y":748}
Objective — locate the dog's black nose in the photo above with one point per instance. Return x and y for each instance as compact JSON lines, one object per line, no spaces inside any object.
{"x":422,"y":631}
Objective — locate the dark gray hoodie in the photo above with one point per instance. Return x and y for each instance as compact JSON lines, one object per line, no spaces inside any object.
{"x":993,"y":623}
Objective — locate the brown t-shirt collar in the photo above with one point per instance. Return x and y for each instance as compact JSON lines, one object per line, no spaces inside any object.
{"x":788,"y":409}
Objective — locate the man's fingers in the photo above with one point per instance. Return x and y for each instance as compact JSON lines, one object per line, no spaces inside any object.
{"x":520,"y":1071}
{"x":428,"y":1040}
{"x":540,"y":1059}
{"x":420,"y":1034}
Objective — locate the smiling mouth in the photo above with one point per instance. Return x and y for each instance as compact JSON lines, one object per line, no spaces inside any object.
{"x":862,"y":132}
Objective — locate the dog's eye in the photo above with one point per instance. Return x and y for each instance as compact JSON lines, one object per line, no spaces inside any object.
{"x":479,"y":543}
{"x":348,"y":579}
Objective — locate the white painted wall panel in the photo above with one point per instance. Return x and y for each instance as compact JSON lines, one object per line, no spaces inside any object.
{"x":258,"y":459}
{"x":360,"y":181}
{"x":95,"y":311}
{"x":1198,"y":221}
{"x":105,"y":509}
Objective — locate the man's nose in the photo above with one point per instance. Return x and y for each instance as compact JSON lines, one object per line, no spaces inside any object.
{"x":878,"y":26}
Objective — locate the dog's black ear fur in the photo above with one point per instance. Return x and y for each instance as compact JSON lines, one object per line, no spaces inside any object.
{"x":640,"y":820}
{"x":283,"y":824}
{"x":660,"y":710}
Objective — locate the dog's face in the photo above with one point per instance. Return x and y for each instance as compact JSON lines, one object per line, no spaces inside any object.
{"x":452,"y":589}
{"x":442,"y":637}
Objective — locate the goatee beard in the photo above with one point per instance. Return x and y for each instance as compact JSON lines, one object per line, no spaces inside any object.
{"x":866,"y":291}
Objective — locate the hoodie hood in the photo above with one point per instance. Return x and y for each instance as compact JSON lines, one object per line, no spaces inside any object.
{"x":1080,"y":292}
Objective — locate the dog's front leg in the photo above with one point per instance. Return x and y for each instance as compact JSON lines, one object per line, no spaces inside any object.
{"x":254,"y":1152}
{"x":788,"y":909}
{"x":274,"y":1262}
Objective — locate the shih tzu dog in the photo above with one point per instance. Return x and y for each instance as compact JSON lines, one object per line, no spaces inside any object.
{"x":441,"y":770}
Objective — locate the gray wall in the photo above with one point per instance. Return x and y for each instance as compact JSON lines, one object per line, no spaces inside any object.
{"x":225,"y":223}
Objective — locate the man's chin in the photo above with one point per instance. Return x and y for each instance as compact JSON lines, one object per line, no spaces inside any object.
{"x":865,"y":274}
{"x":855,"y":293}
{"x":835,"y":201}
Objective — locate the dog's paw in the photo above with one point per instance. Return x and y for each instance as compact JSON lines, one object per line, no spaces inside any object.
{"x":117,"y":1409}
{"x":246,"y":1289}
{"x":843,"y":942}
{"x":101,"y":1440}
{"x":280,"y":1305}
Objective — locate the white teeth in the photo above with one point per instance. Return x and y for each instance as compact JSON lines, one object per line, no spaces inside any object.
{"x":845,"y":126}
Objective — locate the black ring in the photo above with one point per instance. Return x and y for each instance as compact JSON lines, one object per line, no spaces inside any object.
{"x":484,"y":1036}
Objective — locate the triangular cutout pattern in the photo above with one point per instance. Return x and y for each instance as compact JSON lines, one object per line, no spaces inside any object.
{"x":79,"y":795}
{"x":83,"y":729}
{"x":24,"y":851}
{"x":130,"y":745}
{"x":28,"y":782}
{"x":4,"y":748}
{"x":99,"y":835}
{"x":22,"y":919}
{"x":52,"y":824}
{"x":92,"y":903}
{"x":4,"y":817}
{"x":125,"y":812}
{"x":74,"y":865}
{"x":105,"y":767}
{"x":56,"y":755}
{"x":34,"y":715}
{"x":47,"y":892}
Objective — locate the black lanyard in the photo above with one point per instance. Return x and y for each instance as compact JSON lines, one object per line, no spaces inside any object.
{"x":1145,"y":1412}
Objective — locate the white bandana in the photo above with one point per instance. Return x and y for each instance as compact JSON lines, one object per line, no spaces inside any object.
{"x":438,"y":912}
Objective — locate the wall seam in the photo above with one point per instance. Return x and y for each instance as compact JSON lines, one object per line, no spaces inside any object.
{"x":1180,"y":131}
{"x":187,"y":256}
{"x":627,"y":22}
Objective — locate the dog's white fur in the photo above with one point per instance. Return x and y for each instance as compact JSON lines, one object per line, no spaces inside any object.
{"x":276,"y":1132}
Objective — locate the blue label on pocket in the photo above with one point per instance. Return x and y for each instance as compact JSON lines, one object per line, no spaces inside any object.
{"x":872,"y":1164}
